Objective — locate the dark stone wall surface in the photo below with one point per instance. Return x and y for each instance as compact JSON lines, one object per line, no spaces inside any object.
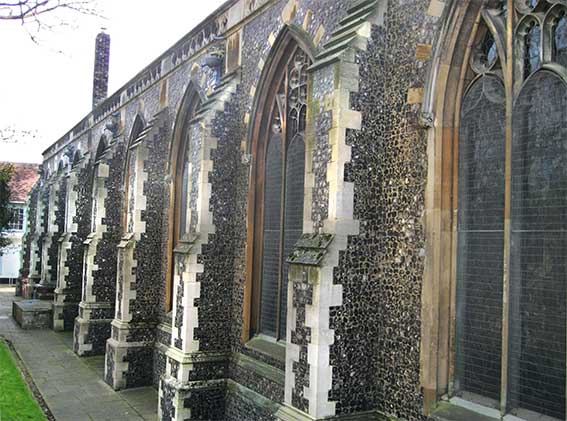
{"x":239,"y":408}
{"x":257,"y":49}
{"x":104,"y":278}
{"x":375,"y":356}
{"x":59,"y":190}
{"x":376,"y":353}
{"x":207,"y":403}
{"x":217,"y":255}
{"x":30,"y":230}
{"x":148,"y":251}
{"x":82,"y":218}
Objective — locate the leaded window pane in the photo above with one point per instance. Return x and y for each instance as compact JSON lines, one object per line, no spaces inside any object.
{"x":184,"y":195}
{"x":489,"y":53}
{"x":539,"y":247}
{"x":560,"y":40}
{"x":283,"y":192}
{"x":481,"y":239}
{"x":532,"y":59}
{"x":293,"y":224}
{"x":271,"y":261}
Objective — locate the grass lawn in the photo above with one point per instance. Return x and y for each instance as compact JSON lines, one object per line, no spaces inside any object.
{"x":16,"y":400}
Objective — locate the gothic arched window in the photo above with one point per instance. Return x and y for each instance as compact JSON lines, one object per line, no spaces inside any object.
{"x":560,"y":39}
{"x":185,"y":169}
{"x":511,"y":274}
{"x":279,"y":158}
{"x":131,"y":174}
{"x":99,"y":155}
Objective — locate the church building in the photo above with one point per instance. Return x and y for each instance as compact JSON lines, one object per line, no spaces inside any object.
{"x":323,"y":210}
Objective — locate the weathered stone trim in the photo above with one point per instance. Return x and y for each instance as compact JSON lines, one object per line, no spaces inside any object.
{"x":312,"y":290}
{"x":67,"y":292}
{"x":133,"y":337}
{"x":92,"y":326}
{"x":184,"y":353}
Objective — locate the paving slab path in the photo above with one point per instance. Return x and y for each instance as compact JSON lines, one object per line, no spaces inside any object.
{"x":72,"y":386}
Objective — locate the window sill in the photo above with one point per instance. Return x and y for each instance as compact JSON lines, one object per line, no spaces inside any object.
{"x":267,"y":346}
{"x":447,"y":411}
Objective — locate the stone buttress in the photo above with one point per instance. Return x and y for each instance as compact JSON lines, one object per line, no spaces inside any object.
{"x":29,"y":251}
{"x":54,"y":218}
{"x":328,"y":221}
{"x":70,"y":261}
{"x":129,"y":350}
{"x":194,"y":383}
{"x":96,"y":309}
{"x":195,"y":378}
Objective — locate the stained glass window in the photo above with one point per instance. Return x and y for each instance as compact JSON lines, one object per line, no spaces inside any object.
{"x":560,"y":40}
{"x":538,"y":262}
{"x":514,"y":316}
{"x":283,"y":192}
{"x":481,"y":238}
{"x":532,"y":59}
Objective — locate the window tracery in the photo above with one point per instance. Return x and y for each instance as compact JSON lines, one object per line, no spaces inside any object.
{"x":532,"y":49}
{"x":281,"y":169}
{"x":560,"y":39}
{"x":185,"y":172}
{"x":511,"y":323}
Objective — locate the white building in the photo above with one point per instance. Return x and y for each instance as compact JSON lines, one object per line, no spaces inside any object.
{"x":25,"y":176}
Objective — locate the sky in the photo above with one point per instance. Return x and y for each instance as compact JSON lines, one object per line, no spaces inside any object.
{"x":46,"y":87}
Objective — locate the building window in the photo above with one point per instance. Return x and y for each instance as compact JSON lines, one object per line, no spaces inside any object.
{"x":99,"y":156}
{"x":16,"y":219}
{"x":560,"y":39}
{"x":185,"y":168}
{"x":131,"y":175}
{"x":279,"y":183}
{"x":532,"y":50}
{"x":510,"y":343}
{"x":481,"y":238}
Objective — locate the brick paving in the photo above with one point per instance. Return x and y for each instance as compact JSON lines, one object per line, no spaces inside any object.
{"x":72,"y":387}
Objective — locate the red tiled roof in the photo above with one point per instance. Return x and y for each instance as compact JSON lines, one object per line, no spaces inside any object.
{"x":25,"y":176}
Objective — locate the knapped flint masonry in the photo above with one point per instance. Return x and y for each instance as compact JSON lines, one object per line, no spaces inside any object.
{"x":310,"y":210}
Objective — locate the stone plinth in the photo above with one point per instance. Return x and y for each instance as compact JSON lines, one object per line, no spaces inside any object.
{"x":32,"y":314}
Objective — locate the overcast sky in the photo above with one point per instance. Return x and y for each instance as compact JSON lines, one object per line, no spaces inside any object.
{"x":47,"y":87}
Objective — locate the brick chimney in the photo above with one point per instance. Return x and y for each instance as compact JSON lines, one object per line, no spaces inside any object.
{"x":100,"y":77}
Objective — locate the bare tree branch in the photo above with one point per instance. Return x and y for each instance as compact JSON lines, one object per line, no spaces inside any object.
{"x":11,"y":134}
{"x":31,"y":10}
{"x":39,"y":15}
